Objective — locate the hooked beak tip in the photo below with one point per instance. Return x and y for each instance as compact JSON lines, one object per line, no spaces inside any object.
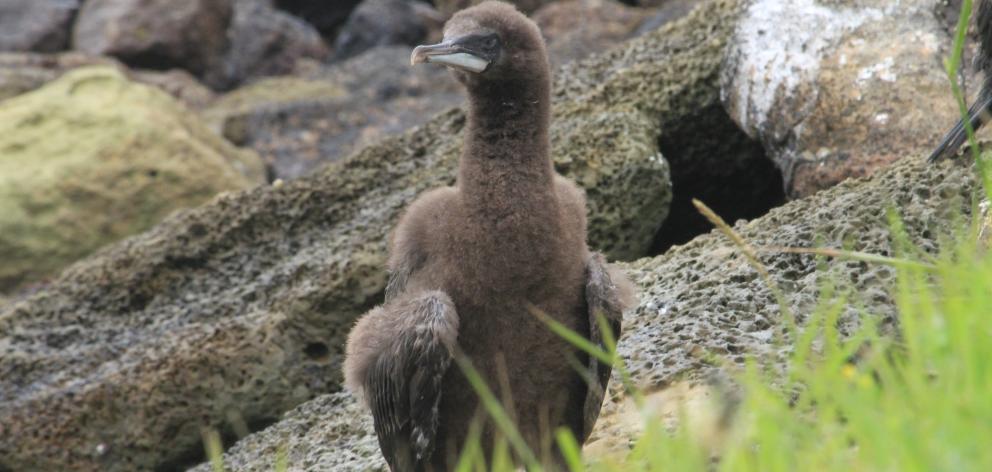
{"x":418,"y":56}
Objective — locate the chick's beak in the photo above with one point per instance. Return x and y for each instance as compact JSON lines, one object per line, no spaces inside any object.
{"x":449,"y":53}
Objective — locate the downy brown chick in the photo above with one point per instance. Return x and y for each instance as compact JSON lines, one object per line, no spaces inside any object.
{"x":467,"y":261}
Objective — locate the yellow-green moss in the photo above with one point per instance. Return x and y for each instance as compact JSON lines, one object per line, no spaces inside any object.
{"x":93,"y":157}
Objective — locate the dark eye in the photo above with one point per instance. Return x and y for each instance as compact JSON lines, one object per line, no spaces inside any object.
{"x":491,"y":42}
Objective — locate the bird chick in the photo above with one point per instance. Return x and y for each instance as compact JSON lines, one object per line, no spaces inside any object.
{"x":468,"y":262}
{"x":980,"y":112}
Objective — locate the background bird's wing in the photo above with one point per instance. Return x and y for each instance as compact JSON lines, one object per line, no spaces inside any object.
{"x":605,"y":298}
{"x":979,"y":112}
{"x":978,"y":115}
{"x":403,"y":389}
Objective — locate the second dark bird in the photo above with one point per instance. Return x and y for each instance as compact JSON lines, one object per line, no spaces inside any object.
{"x":980,"y":111}
{"x":467,"y":262}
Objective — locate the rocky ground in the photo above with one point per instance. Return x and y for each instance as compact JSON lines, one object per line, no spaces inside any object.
{"x":193,"y":212}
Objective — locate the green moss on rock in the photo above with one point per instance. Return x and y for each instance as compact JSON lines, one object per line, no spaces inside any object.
{"x":91,"y":158}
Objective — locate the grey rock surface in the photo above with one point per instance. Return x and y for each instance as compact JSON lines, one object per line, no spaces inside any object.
{"x":384,"y":23}
{"x":155,"y":34}
{"x":576,"y":29}
{"x":264,"y":41}
{"x":330,"y":432}
{"x":36,"y":25}
{"x":859,"y":90}
{"x":242,"y":305}
{"x":303,"y":122}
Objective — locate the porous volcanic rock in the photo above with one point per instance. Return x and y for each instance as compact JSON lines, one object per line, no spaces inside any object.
{"x":839,"y":89}
{"x":330,"y":432}
{"x":76,"y":173}
{"x":704,"y":299}
{"x":155,"y":34}
{"x":697,"y":301}
{"x":36,"y":25}
{"x":242,"y":305}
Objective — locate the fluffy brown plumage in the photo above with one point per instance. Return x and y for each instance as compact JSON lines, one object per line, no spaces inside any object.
{"x":467,"y":261}
{"x":980,"y":111}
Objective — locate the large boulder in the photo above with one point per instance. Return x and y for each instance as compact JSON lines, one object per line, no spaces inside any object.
{"x":242,"y":305}
{"x":575,"y":29}
{"x":299,"y":123}
{"x":264,"y":41}
{"x":383,"y":23}
{"x":698,"y":302}
{"x":155,"y":34}
{"x":76,"y":174}
{"x":846,"y":97}
{"x":24,"y":72}
{"x":36,"y":25}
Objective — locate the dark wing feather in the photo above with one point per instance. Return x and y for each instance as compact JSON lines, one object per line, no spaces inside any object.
{"x":403,"y":388}
{"x":603,"y":298}
{"x":978,"y":113}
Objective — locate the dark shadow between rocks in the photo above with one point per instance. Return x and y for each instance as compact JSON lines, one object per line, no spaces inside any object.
{"x":713,"y":161}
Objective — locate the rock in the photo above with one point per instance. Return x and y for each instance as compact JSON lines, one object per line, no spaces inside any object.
{"x":448,"y":7}
{"x":264,"y":42}
{"x":242,"y":305}
{"x":699,"y":300}
{"x":845,"y":98}
{"x":155,"y":34}
{"x":384,"y":23}
{"x":326,"y":16}
{"x":36,"y":25}
{"x":704,"y":299}
{"x":300,"y":123}
{"x":330,"y":432}
{"x":76,"y":174}
{"x":178,"y":83}
{"x":575,"y":29}
{"x":666,"y":12}
{"x":658,"y":3}
{"x":24,"y":72}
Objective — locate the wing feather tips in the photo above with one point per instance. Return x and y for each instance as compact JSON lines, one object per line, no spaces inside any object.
{"x":402,"y":372}
{"x":608,"y":293}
